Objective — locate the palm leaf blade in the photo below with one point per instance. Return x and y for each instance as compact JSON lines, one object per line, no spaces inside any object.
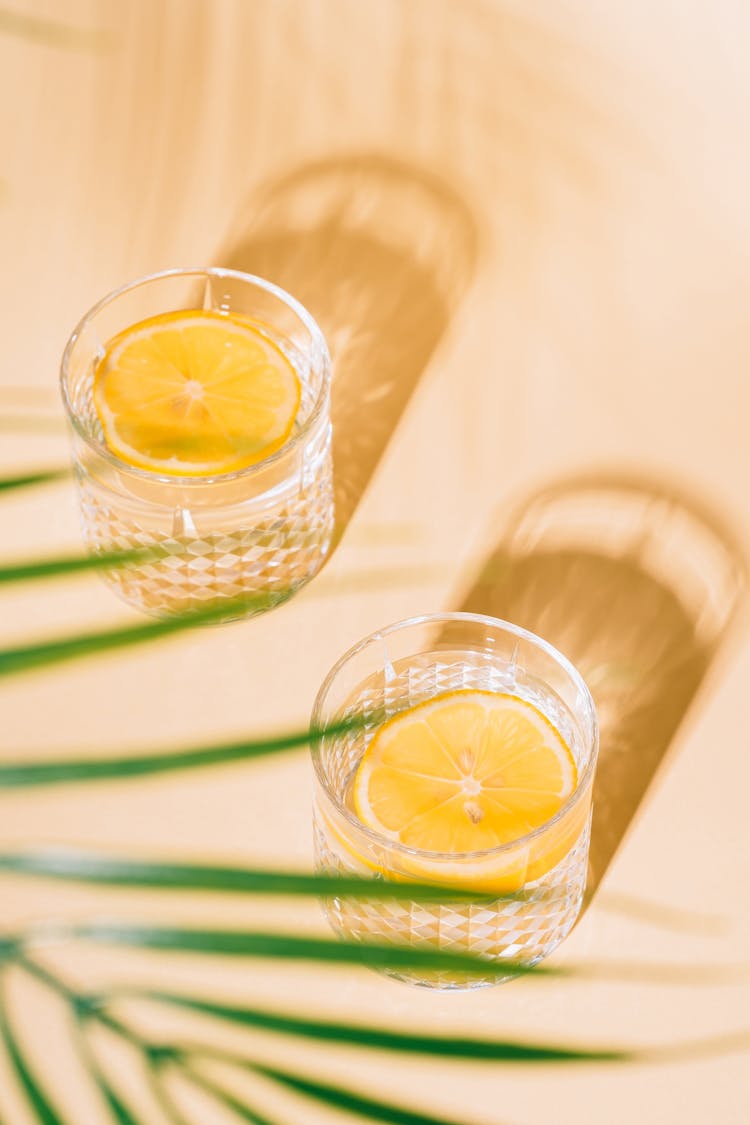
{"x":28,"y":480}
{"x":282,"y":946}
{"x":341,"y":1097}
{"x":24,"y":658}
{"x":16,"y":775}
{"x":35,"y":1097}
{"x":386,"y":1039}
{"x":86,"y":867}
{"x":23,"y":774}
{"x":64,"y":565}
{"x":116,"y":1106}
{"x":241,"y":1109}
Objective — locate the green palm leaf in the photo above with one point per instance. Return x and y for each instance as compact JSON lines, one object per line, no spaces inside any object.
{"x":37,"y":1100}
{"x":27,"y":480}
{"x":285,"y":947}
{"x":388,"y":1040}
{"x":85,"y":867}
{"x":121,"y":872}
{"x":241,"y":1109}
{"x":116,"y":1106}
{"x":342,"y":1097}
{"x":25,"y":774}
{"x":22,"y":775}
{"x":24,"y":658}
{"x":64,"y":565}
{"x":163,"y":1098}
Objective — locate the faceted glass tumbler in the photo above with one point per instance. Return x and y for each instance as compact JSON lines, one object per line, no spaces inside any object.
{"x":262,"y":530}
{"x":539,"y":879}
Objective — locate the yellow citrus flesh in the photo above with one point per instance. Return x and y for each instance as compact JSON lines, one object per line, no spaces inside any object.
{"x":468,"y":772}
{"x":195,"y":393}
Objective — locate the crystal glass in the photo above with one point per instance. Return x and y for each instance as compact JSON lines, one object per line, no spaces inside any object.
{"x":265,"y":529}
{"x":392,"y":670}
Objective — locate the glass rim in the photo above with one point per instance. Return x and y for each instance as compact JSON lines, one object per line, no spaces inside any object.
{"x":582,"y":782}
{"x":215,"y":478}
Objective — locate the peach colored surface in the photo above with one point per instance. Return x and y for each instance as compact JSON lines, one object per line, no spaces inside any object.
{"x":524,"y":230}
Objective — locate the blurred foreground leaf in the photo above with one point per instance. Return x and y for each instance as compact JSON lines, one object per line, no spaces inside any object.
{"x":28,"y":480}
{"x":115,"y":1105}
{"x":87,"y":867}
{"x":36,"y":1098}
{"x":26,"y":774}
{"x":293,"y":947}
{"x":344,"y":1098}
{"x":64,"y":565}
{"x":241,"y":1109}
{"x":386,"y":1039}
{"x":24,"y":658}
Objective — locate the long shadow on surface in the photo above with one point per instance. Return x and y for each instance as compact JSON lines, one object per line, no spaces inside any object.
{"x":637,"y":585}
{"x":380,"y":253}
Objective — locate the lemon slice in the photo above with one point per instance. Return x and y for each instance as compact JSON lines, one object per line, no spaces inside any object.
{"x":195,"y":393}
{"x":465,"y":772}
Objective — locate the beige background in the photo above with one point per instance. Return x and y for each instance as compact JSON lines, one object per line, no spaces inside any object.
{"x":569,"y":297}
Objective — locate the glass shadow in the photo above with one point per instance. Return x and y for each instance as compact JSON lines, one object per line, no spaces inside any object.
{"x":637,"y":585}
{"x":380,"y":252}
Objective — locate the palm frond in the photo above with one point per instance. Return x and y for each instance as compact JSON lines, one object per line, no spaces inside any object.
{"x":241,"y":1109}
{"x":26,"y":774}
{"x":24,"y":658}
{"x":119,"y":1111}
{"x":101,"y":870}
{"x":386,"y":1039}
{"x":37,"y":1100}
{"x":115,"y":1104}
{"x":163,"y":1098}
{"x":64,"y":565}
{"x":345,"y":1098}
{"x":29,"y":480}
{"x":292,"y":947}
{"x":87,"y":867}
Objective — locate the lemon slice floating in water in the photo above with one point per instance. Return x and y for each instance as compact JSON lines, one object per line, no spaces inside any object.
{"x":467,"y":771}
{"x":195,"y":393}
